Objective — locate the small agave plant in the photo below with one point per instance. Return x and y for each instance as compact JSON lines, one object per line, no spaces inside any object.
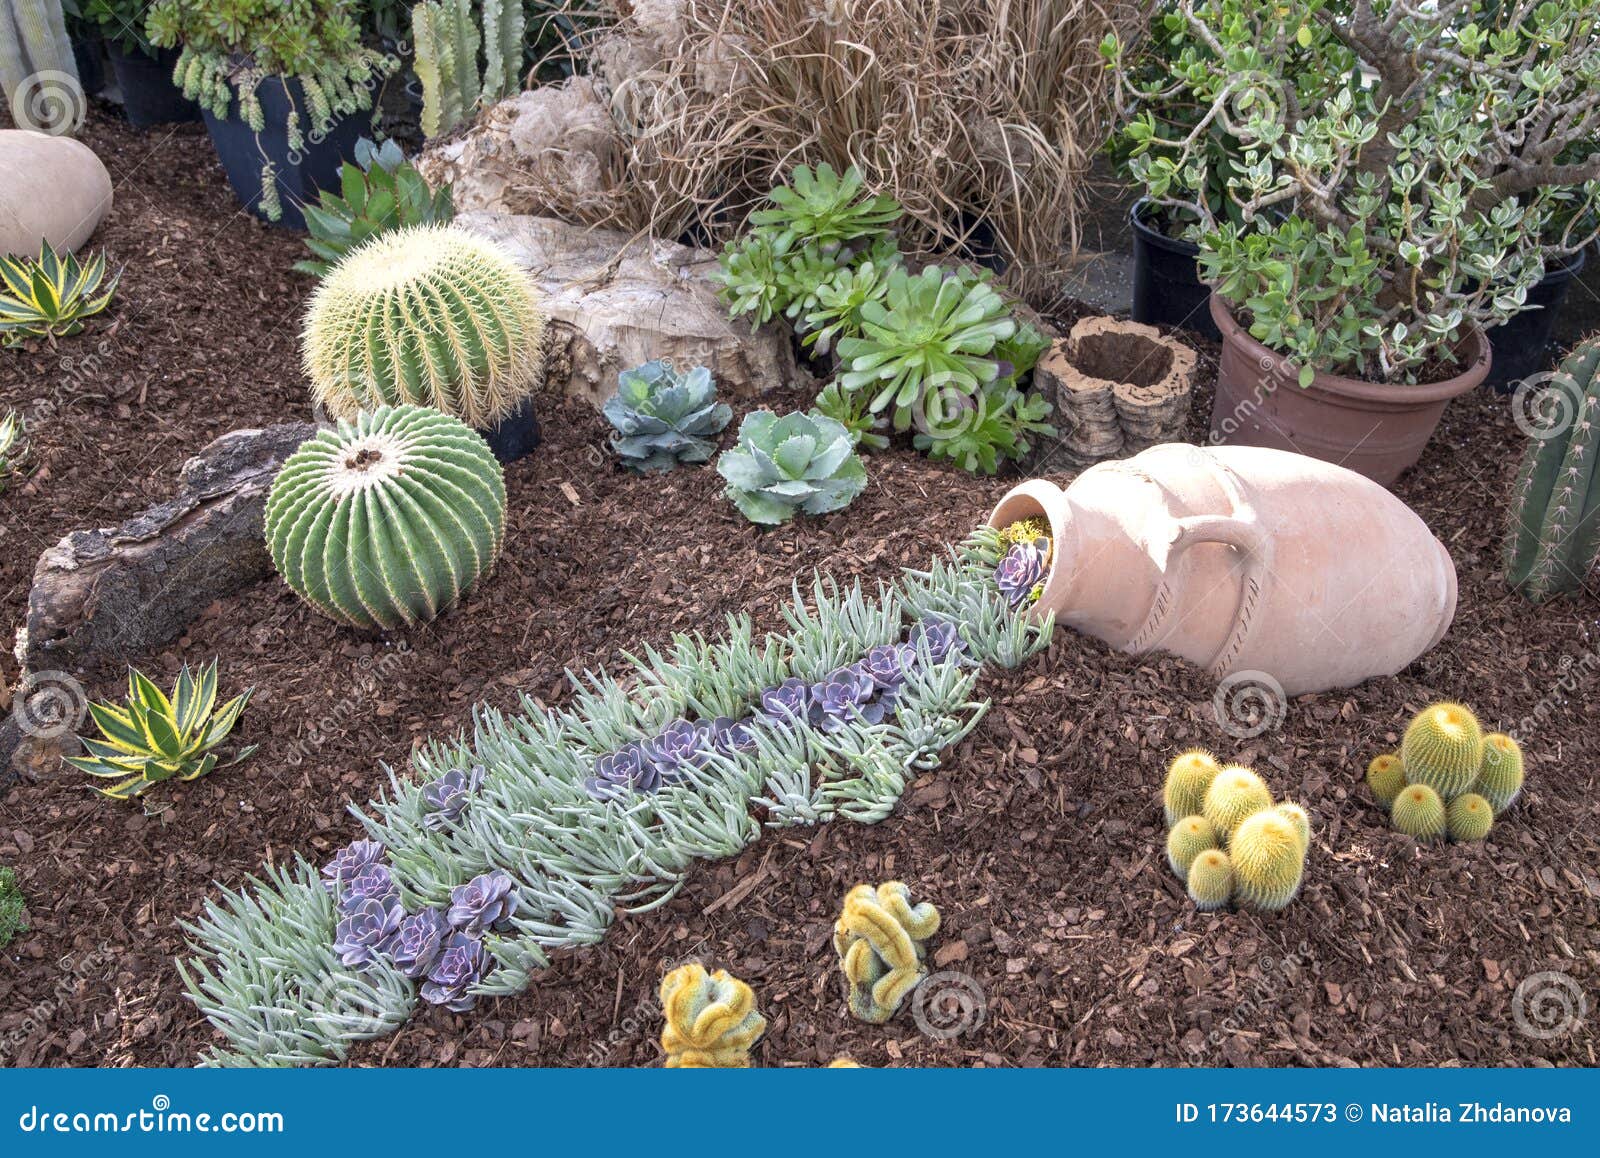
{"x":663,"y":417}
{"x":156,"y":737}
{"x":800,"y":462}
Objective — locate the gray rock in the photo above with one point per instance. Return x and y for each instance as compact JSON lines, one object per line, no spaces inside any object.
{"x":104,"y":595}
{"x":617,"y":301}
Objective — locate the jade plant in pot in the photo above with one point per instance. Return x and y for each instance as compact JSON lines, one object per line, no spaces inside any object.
{"x":1379,"y":232}
{"x":143,"y":71}
{"x":282,"y":89}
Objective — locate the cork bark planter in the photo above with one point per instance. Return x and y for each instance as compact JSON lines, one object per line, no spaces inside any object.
{"x":1118,"y":387}
{"x":1374,"y":428}
{"x":1240,"y":560}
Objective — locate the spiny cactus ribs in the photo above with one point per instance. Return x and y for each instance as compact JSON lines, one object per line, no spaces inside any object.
{"x":1554,"y":538}
{"x":1268,"y":855}
{"x":1419,"y":813}
{"x":1386,"y":776}
{"x":711,"y":1019}
{"x":1469,"y":817}
{"x":384,"y":522}
{"x":1500,"y":778}
{"x":1443,"y":748}
{"x":429,"y":315}
{"x":1190,"y":837}
{"x":1211,"y":880}
{"x":881,"y":942}
{"x":1188,"y":777}
{"x":1234,"y":794}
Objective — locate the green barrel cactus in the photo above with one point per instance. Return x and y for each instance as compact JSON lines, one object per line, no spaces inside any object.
{"x":1443,"y":748}
{"x":800,"y":462}
{"x":385,"y":521}
{"x":1211,"y":880}
{"x":1190,"y":837}
{"x":1269,"y":858}
{"x":1386,"y":776}
{"x":663,"y":417}
{"x":1469,"y":817}
{"x":429,"y":315}
{"x":1235,"y":793}
{"x":1418,"y":812}
{"x":1554,"y":539}
{"x":881,"y":942}
{"x":710,"y":1019}
{"x":1188,"y":777}
{"x":1500,"y":778}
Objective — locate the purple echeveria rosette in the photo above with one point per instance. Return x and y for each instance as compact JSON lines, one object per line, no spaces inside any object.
{"x":349,"y":861}
{"x":462,"y":962}
{"x":846,"y":695}
{"x":679,"y":745}
{"x":366,"y":931}
{"x":619,"y":773}
{"x":787,"y":703}
{"x":1022,"y":570}
{"x":419,"y":941}
{"x":939,"y":637}
{"x":372,"y":883}
{"x":483,"y":902}
{"x":444,"y":799}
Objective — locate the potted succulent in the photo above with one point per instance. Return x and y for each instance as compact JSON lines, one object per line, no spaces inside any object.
{"x":281,"y":88}
{"x":1380,"y":231}
{"x":143,"y":72}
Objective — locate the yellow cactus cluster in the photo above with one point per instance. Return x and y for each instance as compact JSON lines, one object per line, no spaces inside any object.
{"x":711,"y":1019}
{"x":1449,"y":778}
{"x":1227,"y":839}
{"x":881,"y":942}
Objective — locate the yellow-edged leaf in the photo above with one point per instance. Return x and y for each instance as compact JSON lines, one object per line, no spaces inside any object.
{"x":118,"y":727}
{"x":142,"y":689}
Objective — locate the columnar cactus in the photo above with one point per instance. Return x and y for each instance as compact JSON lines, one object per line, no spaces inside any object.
{"x":447,"y":40}
{"x":1443,"y":748}
{"x":1188,"y":777}
{"x":1211,"y":880}
{"x":1190,"y":837}
{"x":880,"y":939}
{"x":41,"y":47}
{"x":1554,"y":539}
{"x":1234,"y":794}
{"x":1269,"y":858}
{"x":430,"y":315}
{"x":1418,"y":812}
{"x":1386,"y":776}
{"x":1469,"y":817}
{"x":711,"y":1019}
{"x":384,"y":522}
{"x":1500,"y":777}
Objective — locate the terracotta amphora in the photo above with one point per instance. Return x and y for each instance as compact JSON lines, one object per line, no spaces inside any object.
{"x":1242,"y":558}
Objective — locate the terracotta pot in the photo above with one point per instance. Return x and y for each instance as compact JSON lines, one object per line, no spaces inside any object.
{"x":1374,"y":428}
{"x":1243,"y":559}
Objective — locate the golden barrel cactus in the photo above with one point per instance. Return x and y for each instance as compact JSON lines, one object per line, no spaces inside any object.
{"x":1443,"y":748}
{"x":1188,"y":777}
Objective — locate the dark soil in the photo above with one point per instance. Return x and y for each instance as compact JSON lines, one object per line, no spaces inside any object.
{"x":1040,"y":839}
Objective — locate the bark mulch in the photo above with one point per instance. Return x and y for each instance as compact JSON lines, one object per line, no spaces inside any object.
{"x":1040,"y":838}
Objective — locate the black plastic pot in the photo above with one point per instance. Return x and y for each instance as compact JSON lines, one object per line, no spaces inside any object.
{"x":1167,"y":290}
{"x":514,"y":436}
{"x":299,"y":176}
{"x":148,"y":95}
{"x":87,"y":55}
{"x":1522,"y":346}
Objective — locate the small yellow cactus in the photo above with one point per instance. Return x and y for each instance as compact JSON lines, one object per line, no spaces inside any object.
{"x":1418,"y":812}
{"x":1190,"y":837}
{"x":1269,"y":858}
{"x":1500,"y":776}
{"x":1236,"y":793}
{"x":1299,"y":818}
{"x":711,"y":1019}
{"x":1469,"y":817}
{"x":1386,"y":776}
{"x":1211,"y":880}
{"x":1443,"y":748}
{"x":1188,"y":777}
{"x":880,"y":939}
{"x":844,"y":1063}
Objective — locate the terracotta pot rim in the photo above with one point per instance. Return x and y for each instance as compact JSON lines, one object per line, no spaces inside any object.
{"x":1398,"y":396}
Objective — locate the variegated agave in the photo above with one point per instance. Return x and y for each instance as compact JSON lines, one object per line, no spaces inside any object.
{"x":51,"y":296}
{"x":156,"y":737}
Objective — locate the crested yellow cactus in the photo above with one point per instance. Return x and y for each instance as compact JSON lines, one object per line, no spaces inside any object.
{"x":1190,"y":837}
{"x":1500,"y":777}
{"x":1188,"y":777}
{"x":1236,"y":793}
{"x":1443,"y":748}
{"x":881,"y":941}
{"x":711,"y":1019}
{"x":1386,"y":776}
